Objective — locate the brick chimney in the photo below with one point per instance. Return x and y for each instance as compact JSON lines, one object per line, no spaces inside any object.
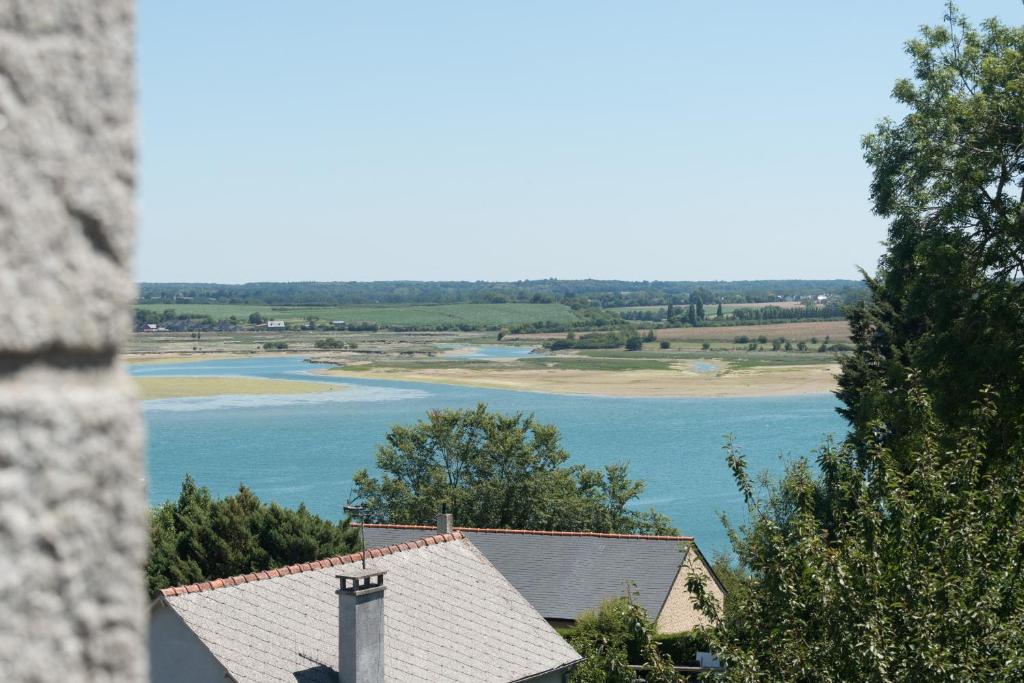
{"x":361,"y":626}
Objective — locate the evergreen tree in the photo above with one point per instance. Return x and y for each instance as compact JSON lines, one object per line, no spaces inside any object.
{"x":198,"y":538}
{"x":692,"y":315}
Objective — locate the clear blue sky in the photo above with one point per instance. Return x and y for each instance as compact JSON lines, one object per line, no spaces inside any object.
{"x":335,"y":140}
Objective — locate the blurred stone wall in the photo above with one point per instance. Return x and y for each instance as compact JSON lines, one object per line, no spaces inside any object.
{"x":72,"y":496}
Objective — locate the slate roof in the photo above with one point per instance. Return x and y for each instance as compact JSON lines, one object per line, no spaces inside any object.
{"x":448,"y":616}
{"x":565,"y":573}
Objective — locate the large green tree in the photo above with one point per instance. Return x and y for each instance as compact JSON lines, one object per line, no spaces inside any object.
{"x":497,"y":471}
{"x":900,"y":556}
{"x":947,"y":302}
{"x":198,"y":537}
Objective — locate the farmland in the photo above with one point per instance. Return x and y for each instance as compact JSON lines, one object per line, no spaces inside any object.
{"x":440,"y":315}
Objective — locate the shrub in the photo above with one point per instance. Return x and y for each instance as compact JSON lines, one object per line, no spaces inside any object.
{"x":664,"y":344}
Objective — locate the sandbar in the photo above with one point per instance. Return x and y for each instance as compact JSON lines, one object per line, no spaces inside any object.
{"x":183,"y":387}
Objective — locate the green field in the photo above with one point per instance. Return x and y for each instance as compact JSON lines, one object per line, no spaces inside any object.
{"x":478,"y":315}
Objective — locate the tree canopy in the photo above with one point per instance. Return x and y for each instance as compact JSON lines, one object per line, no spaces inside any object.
{"x":498,"y":471}
{"x":199,"y":538}
{"x":947,"y":301}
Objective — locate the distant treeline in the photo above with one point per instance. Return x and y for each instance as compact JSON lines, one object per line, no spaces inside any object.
{"x":599,"y":293}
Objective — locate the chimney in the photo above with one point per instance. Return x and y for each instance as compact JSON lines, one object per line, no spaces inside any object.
{"x":361,"y":626}
{"x":444,"y":522}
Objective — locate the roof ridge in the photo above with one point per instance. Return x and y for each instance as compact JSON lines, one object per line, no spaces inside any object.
{"x":597,"y":534}
{"x":335,"y":561}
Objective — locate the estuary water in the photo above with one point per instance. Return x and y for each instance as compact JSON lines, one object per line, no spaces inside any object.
{"x":305,"y":447}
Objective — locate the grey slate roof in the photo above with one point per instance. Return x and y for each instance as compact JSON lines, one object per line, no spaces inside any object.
{"x":448,"y":616}
{"x":564,"y":574}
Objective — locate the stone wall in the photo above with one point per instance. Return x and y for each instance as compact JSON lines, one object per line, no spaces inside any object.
{"x":72,"y":496}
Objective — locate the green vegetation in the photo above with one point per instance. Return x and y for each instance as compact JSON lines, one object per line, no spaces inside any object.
{"x":614,"y":636}
{"x":600,"y":293}
{"x":199,"y":538}
{"x":497,"y":471}
{"x":900,"y":556}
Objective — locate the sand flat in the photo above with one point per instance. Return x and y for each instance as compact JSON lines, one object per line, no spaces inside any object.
{"x":188,"y":387}
{"x":761,"y":381}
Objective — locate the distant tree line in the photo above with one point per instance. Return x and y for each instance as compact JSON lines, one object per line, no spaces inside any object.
{"x":596,"y":293}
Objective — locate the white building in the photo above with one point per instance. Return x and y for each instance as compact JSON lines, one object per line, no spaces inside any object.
{"x":275,"y":324}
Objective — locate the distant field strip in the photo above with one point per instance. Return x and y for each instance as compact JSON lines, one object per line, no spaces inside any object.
{"x":837,"y":330}
{"x":440,"y":314}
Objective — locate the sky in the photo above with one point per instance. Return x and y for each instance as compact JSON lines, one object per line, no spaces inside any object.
{"x":469,"y":140}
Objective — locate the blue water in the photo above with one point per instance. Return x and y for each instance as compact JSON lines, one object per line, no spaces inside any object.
{"x":485,"y":351}
{"x":305,"y":448}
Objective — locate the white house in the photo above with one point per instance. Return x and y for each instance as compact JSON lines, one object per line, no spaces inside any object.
{"x":275,"y":324}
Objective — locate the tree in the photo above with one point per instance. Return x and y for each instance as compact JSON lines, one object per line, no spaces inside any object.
{"x":634,"y":343}
{"x":255,"y":318}
{"x":718,"y":313}
{"x":497,"y":471}
{"x":691,"y":315}
{"x":199,"y":538}
{"x":949,"y":177}
{"x":664,"y":343}
{"x":873,"y":572}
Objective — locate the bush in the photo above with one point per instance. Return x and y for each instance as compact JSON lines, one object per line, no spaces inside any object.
{"x":634,"y":344}
{"x":275,"y":346}
{"x":611,"y":638}
{"x":682,"y":648}
{"x":664,"y":344}
{"x":742,"y":339}
{"x":706,"y":346}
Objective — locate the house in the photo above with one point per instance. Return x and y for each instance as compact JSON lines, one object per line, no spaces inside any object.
{"x":564,"y":573}
{"x":433,"y":609}
{"x":275,"y":324}
{"x":821,"y":299}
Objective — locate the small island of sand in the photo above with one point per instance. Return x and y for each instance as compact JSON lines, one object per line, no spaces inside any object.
{"x":188,"y":387}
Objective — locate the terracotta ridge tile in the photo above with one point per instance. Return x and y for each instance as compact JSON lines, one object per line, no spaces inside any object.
{"x":539,"y":532}
{"x":324,"y":563}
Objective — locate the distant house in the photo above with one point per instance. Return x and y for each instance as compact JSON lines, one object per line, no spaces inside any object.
{"x":564,"y":573}
{"x":433,"y":609}
{"x":275,"y":325}
{"x":821,"y":298}
{"x":338,"y":323}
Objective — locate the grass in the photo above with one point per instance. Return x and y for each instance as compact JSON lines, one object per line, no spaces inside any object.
{"x":181,"y":387}
{"x":483,"y":315}
{"x":594,"y":363}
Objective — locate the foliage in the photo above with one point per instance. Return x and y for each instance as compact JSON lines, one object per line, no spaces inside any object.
{"x":634,"y":343}
{"x":275,"y":346}
{"x":611,"y":638}
{"x":199,"y":538}
{"x":947,"y":302}
{"x":880,"y":571}
{"x":497,"y":471}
